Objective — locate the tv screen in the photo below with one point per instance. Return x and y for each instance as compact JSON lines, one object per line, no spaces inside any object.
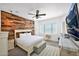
{"x":72,"y":23}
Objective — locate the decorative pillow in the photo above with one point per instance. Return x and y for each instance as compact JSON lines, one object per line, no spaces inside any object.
{"x":47,"y":36}
{"x":66,"y":35}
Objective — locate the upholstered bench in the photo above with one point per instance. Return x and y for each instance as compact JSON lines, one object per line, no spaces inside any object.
{"x":39,"y":47}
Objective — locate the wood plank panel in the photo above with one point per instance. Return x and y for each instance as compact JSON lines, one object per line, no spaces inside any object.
{"x":11,"y":22}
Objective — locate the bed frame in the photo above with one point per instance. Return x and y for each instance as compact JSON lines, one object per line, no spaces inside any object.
{"x":28,"y":50}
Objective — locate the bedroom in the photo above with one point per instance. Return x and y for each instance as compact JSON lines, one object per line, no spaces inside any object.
{"x":34,"y":29}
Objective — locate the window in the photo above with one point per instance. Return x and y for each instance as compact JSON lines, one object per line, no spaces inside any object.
{"x":54,"y":28}
{"x":41,"y":29}
{"x":50,"y":28}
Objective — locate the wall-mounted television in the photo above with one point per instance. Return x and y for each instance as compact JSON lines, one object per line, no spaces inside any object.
{"x":72,"y":22}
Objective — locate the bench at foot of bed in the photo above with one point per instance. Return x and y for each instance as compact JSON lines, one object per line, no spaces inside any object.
{"x":39,"y":47}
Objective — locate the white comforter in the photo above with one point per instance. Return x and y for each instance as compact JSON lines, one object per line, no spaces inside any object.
{"x":29,"y":41}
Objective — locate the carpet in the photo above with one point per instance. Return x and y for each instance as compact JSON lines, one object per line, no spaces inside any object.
{"x":50,"y":51}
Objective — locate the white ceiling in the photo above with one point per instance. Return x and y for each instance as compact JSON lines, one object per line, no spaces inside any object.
{"x":22,"y":9}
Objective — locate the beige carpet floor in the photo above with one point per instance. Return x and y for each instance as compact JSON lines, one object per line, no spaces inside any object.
{"x":50,"y":51}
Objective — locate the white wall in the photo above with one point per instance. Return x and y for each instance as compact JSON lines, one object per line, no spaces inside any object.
{"x":60,"y":21}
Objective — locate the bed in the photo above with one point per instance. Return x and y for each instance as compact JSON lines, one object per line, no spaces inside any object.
{"x":27,"y":41}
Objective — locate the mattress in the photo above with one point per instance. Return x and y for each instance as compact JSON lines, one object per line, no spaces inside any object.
{"x":29,"y":41}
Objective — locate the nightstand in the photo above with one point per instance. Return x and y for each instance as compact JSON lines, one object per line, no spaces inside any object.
{"x":10,"y":44}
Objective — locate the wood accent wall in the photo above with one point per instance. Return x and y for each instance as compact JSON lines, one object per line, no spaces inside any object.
{"x":11,"y":22}
{"x":0,"y":20}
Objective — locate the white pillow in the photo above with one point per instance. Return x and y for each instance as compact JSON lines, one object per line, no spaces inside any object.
{"x":28,"y":34}
{"x":25,"y":35}
{"x":22,"y":35}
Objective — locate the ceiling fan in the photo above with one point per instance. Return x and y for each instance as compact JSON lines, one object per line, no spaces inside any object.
{"x":37,"y":14}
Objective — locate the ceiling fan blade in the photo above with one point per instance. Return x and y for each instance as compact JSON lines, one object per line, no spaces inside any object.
{"x":42,"y":15}
{"x":30,"y":14}
{"x":33,"y":16}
